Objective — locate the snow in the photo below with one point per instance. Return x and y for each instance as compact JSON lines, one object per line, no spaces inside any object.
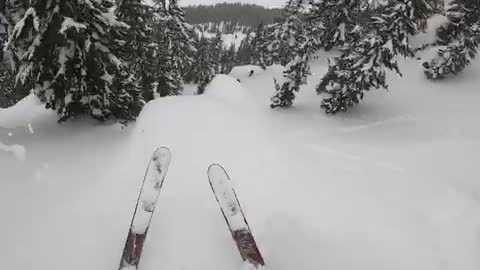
{"x":30,"y":128}
{"x":69,"y":23}
{"x":391,"y":184}
{"x":18,"y":151}
{"x":244,"y":72}
{"x":25,"y":112}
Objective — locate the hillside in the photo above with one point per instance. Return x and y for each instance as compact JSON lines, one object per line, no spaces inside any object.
{"x":390,"y":185}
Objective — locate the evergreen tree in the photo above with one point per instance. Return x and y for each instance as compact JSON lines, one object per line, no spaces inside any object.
{"x":174,"y":48}
{"x":281,"y":38}
{"x":459,"y":40}
{"x":3,"y":28}
{"x":258,"y":45}
{"x":7,"y":87}
{"x":204,"y":68}
{"x":228,"y":60}
{"x":335,"y":23}
{"x":183,"y":38}
{"x":295,"y":75}
{"x":167,"y":83}
{"x":63,"y":50}
{"x":134,"y":45}
{"x":245,"y":50}
{"x":216,"y":48}
{"x":301,"y":46}
{"x":12,"y":12}
{"x":363,"y":66}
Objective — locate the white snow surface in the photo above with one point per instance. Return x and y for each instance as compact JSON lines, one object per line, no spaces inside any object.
{"x":391,"y":184}
{"x":18,"y":151}
{"x":244,"y":72}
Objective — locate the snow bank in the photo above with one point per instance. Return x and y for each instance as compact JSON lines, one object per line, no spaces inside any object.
{"x":247,"y":71}
{"x":226,"y":89}
{"x":18,"y":151}
{"x":24,"y":113}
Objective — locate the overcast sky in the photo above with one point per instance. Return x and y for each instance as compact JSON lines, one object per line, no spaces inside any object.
{"x":267,"y":3}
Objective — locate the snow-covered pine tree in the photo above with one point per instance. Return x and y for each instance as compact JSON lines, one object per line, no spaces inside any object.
{"x":335,"y":23}
{"x":134,"y":45}
{"x":301,"y":46}
{"x":3,"y":28}
{"x":13,"y":11}
{"x":205,"y":67}
{"x":63,"y":50}
{"x":272,"y":45}
{"x":458,"y":40}
{"x":281,"y":37}
{"x":227,"y":59}
{"x":258,"y":45}
{"x":245,"y":50}
{"x":295,"y":75}
{"x":7,"y":87}
{"x":216,"y":48}
{"x":163,"y":75}
{"x":174,"y":48}
{"x":364,"y":65}
{"x":183,"y":38}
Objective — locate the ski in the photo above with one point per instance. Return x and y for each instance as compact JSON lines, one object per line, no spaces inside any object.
{"x":142,"y":216}
{"x":234,"y":216}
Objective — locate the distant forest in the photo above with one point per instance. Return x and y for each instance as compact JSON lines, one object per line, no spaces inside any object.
{"x":237,"y":13}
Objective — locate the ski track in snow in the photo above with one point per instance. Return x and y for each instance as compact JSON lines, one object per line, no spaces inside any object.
{"x":390,"y":185}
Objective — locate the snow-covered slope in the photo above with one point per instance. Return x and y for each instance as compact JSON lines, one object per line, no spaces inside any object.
{"x":392,"y":184}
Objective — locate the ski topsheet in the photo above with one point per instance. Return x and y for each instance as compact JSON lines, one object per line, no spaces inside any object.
{"x":233,"y":214}
{"x":142,"y":216}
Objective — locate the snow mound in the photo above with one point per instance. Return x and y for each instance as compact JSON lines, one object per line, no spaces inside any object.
{"x":247,"y":71}
{"x":18,"y":151}
{"x":23,"y":113}
{"x":225,"y":88}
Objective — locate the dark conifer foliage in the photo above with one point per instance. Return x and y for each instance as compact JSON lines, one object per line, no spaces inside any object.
{"x":7,"y":87}
{"x":364,"y":65}
{"x":63,"y":50}
{"x":336,"y":23}
{"x":204,"y":68}
{"x":294,"y":38}
{"x":234,"y":13}
{"x":173,"y":39}
{"x":227,"y":60}
{"x":134,"y":44}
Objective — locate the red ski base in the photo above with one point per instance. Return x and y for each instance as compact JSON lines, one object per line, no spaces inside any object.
{"x":133,"y":249}
{"x":247,"y":247}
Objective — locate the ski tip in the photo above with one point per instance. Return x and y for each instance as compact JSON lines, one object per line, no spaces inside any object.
{"x":161,"y":153}
{"x":215,"y":167}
